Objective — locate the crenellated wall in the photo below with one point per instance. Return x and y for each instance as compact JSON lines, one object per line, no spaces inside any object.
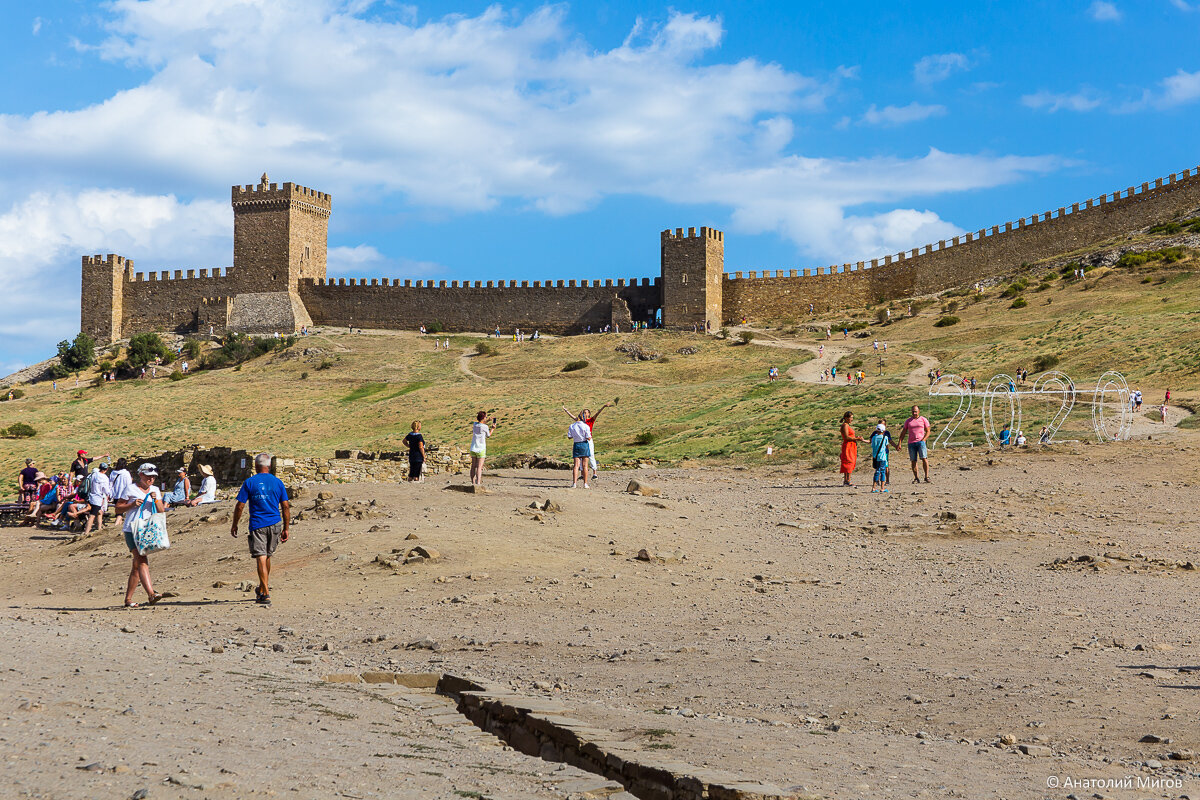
{"x":552,"y":307}
{"x":160,"y":301}
{"x":963,"y":259}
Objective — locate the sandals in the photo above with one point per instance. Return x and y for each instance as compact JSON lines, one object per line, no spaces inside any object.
{"x":133,"y":605}
{"x":154,"y":598}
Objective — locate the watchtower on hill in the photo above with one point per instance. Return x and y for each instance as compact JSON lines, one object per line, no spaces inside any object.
{"x":693,"y":274}
{"x":280,"y":235}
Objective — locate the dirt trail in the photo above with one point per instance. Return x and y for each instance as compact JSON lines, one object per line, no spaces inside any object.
{"x":464,"y":364}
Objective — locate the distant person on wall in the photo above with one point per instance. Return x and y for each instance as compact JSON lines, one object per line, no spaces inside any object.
{"x":270,"y":520}
{"x":141,"y":497}
{"x":581,"y":436}
{"x":208,"y":487}
{"x":480,"y":432}
{"x":916,"y":428}
{"x":415,"y":443}
{"x":849,"y":447}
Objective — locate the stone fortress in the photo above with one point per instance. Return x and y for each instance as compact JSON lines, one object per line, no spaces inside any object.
{"x":278,"y":279}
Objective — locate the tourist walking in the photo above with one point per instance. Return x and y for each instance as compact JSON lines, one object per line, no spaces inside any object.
{"x":916,"y":428}
{"x":820,"y":351}
{"x":480,"y":432}
{"x":99,"y":490}
{"x":580,"y":435}
{"x":141,"y":497}
{"x":849,"y":447}
{"x":270,"y":520}
{"x":415,"y":443}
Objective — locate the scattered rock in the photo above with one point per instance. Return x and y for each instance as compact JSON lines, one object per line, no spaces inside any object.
{"x":411,"y":537}
{"x":47,"y":590}
{"x":277,"y":647}
{"x":324,"y":495}
{"x":424,"y":643}
{"x":216,"y":648}
{"x":1036,"y":750}
{"x":304,"y":660}
{"x":643,"y":489}
{"x":1151,"y":738}
{"x":1008,"y":739}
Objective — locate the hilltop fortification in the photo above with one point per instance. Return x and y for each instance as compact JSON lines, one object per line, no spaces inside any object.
{"x":278,"y":279}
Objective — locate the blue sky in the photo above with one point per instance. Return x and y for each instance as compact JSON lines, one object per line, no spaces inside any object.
{"x":475,"y":141}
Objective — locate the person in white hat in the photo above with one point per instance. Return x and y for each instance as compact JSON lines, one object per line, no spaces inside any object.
{"x":131,"y":505}
{"x":208,"y":487}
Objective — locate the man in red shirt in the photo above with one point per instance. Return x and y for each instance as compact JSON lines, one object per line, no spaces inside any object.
{"x":916,"y":428}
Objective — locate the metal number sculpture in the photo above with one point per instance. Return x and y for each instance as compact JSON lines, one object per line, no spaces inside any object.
{"x":953,"y":383}
{"x":1000,"y":386}
{"x":1109,"y":429}
{"x":1056,"y":383}
{"x":1112,"y":416}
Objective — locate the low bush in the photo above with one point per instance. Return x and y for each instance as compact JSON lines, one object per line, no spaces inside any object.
{"x":326,"y":363}
{"x":1020,"y":302}
{"x":176,"y":376}
{"x":574,"y":366}
{"x":485,"y":349}
{"x":435,"y":327}
{"x":304,"y":375}
{"x":15,"y":394}
{"x":645,"y":438}
{"x":946,"y":322}
{"x":856,"y":363}
{"x":19,"y":430}
{"x":1044,"y":362}
{"x":950,"y":307}
{"x":746,"y":336}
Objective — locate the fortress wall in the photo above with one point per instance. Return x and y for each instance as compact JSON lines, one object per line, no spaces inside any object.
{"x":974,"y":257}
{"x":165,"y":301}
{"x":564,"y":307}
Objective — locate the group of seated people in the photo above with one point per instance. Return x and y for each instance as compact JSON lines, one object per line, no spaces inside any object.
{"x":82,"y":495}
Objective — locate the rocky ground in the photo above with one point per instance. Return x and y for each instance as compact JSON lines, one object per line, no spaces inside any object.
{"x":1026,"y":621}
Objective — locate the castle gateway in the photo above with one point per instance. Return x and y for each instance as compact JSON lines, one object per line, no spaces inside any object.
{"x":278,"y":279}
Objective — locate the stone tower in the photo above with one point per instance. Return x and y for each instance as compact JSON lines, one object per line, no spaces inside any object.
{"x":280,"y":236}
{"x":102,"y":296}
{"x":693,"y":271}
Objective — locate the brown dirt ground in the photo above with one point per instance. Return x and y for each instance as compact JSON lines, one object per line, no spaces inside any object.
{"x":842,"y":643}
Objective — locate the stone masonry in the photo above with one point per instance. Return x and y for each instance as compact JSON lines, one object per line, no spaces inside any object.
{"x":278,"y":279}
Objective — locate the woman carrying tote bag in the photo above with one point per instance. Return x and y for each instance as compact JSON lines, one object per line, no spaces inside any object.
{"x":142,"y":499}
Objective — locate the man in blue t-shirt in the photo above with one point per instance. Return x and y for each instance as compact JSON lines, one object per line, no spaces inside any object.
{"x":270,"y":519}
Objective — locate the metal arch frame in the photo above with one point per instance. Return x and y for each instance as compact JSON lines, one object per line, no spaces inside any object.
{"x":965,"y":397}
{"x":989,"y":400}
{"x":1108,"y":383}
{"x":1055,"y":382}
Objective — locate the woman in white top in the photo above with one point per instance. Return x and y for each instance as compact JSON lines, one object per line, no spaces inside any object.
{"x":131,"y":506}
{"x":581,"y":437}
{"x":208,"y":487}
{"x":479,"y":436}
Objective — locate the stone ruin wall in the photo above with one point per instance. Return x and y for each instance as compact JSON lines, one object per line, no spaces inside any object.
{"x":552,"y":307}
{"x":162,"y":302}
{"x":962,"y":260}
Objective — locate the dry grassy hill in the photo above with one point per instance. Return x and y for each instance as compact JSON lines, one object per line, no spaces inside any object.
{"x":339,"y":390}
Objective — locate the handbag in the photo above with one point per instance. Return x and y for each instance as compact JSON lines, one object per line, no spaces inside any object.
{"x":150,"y":530}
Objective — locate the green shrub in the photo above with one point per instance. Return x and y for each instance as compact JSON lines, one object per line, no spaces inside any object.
{"x":1043,"y":286}
{"x":106,"y":365}
{"x":856,"y":363}
{"x":746,"y":336}
{"x":16,"y":394}
{"x":645,"y":438}
{"x":191,"y":349}
{"x":19,"y":430}
{"x":881,"y":315}
{"x":485,"y":349}
{"x":946,"y":322}
{"x":950,"y":307}
{"x":1132,"y":260}
{"x":58,"y":371}
{"x":435,"y":327}
{"x":978,"y":298}
{"x":326,"y":363}
{"x":176,"y":376}
{"x":573,"y":366}
{"x":1020,"y":302}
{"x":1069,"y":268}
{"x":1012,"y":291}
{"x":144,"y":348}
{"x":1044,"y":362}
{"x":304,"y":375}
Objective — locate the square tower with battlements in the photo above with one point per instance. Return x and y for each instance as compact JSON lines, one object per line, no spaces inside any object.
{"x":280,"y":235}
{"x":693,"y":273}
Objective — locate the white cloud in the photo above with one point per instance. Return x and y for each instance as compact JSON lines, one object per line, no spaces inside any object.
{"x":1180,"y":88}
{"x":1181,"y":5}
{"x":355,"y":261}
{"x":458,"y":113}
{"x":1104,"y":11}
{"x":1083,"y":100}
{"x":37,"y":25}
{"x":901,"y":115}
{"x":46,"y":233}
{"x":934,"y":68}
